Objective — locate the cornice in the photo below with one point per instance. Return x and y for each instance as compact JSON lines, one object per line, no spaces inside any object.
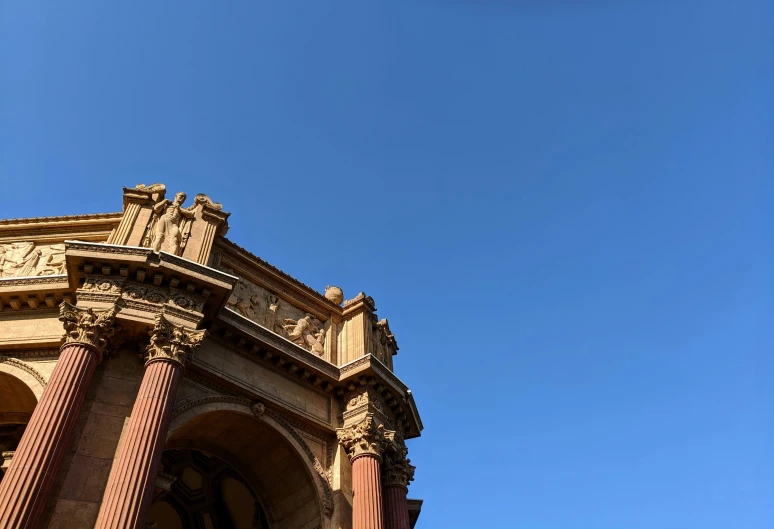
{"x":61,"y":218}
{"x":250,"y":339}
{"x":298,"y":287}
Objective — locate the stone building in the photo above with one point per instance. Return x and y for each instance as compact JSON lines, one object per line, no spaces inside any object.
{"x":155,"y":374}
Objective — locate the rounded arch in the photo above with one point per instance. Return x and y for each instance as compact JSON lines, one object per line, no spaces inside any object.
{"x":197,"y":423}
{"x":24,"y":372}
{"x":17,"y":402}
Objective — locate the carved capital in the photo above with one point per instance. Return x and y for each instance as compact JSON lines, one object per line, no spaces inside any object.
{"x":397,"y":469}
{"x":171,"y":342}
{"x":365,"y":438}
{"x":88,"y":326}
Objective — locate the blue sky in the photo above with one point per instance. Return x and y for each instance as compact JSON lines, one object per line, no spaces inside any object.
{"x":563,"y":208}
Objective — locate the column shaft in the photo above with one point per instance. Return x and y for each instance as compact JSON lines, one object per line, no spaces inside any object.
{"x":130,"y":487}
{"x":366,"y":493}
{"x":25,"y":487}
{"x":396,"y":507}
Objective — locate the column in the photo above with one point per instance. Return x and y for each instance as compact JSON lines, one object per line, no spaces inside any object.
{"x":365,"y":442}
{"x":130,"y":487}
{"x":25,"y":486}
{"x":397,"y":473}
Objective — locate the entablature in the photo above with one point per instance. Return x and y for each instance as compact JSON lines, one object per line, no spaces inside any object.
{"x":250,"y":339}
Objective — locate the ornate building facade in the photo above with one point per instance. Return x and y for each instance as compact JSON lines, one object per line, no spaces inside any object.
{"x":155,"y":374}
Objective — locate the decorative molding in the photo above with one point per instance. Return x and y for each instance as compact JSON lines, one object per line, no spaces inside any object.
{"x":172,"y":342}
{"x":32,"y":353}
{"x":212,"y":399}
{"x":88,"y":326}
{"x":24,"y":367}
{"x":107,"y":248}
{"x":33,"y":280}
{"x":360,"y":362}
{"x":367,"y":437}
{"x":89,"y":216}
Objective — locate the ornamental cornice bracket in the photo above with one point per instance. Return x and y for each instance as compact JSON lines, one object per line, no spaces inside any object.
{"x":367,"y":437}
{"x":172,"y":343}
{"x":88,"y":326}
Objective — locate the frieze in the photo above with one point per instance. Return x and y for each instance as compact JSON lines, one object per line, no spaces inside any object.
{"x":275,"y":314}
{"x":27,"y":259}
{"x":33,"y":353}
{"x":38,"y":280}
{"x":254,"y":260}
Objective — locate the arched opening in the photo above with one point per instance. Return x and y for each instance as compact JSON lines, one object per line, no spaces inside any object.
{"x":206,"y":492}
{"x":17,"y":402}
{"x":252,"y":471}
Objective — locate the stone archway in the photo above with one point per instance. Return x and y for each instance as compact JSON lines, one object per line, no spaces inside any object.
{"x":273,"y":463}
{"x":19,"y":394}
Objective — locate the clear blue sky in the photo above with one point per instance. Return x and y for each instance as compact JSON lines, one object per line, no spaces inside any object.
{"x":563,"y":207}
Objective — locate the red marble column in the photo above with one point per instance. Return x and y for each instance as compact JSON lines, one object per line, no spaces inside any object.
{"x":367,"y":492}
{"x":397,"y":472}
{"x":396,"y":507}
{"x":129,"y":490}
{"x":365,"y":442}
{"x":26,"y":484}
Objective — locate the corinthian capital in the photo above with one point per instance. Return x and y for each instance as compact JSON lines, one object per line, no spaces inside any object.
{"x":397,"y":469}
{"x":88,"y":326}
{"x":365,"y":437}
{"x":172,"y":342}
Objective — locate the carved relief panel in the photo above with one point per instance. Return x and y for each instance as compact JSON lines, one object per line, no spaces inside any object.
{"x":26,"y":258}
{"x":274,"y":313}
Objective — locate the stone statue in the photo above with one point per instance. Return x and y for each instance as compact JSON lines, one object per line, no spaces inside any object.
{"x":307,"y":333}
{"x":171,"y":225}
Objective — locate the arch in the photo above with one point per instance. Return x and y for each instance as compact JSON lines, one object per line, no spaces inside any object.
{"x":23,"y":371}
{"x":214,"y":409}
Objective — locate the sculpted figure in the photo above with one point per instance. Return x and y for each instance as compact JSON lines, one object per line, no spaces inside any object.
{"x":271,"y":313}
{"x":19,"y":259}
{"x":172,"y":224}
{"x":307,"y":333}
{"x":244,"y":300}
{"x":53,"y":260}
